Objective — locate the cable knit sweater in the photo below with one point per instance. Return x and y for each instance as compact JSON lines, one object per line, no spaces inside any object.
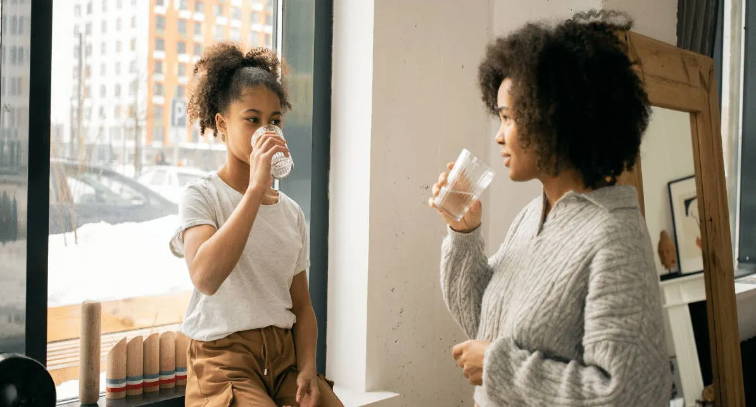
{"x":570,"y":304}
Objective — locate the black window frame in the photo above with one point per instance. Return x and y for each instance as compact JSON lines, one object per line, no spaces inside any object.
{"x":746,"y":244}
{"x":39,"y":178}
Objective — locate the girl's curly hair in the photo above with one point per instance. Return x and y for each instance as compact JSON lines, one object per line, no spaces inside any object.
{"x":221,"y":75}
{"x":577,"y":100}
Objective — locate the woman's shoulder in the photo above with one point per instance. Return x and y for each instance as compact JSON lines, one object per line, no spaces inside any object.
{"x":290,"y":206}
{"x":616,"y":214}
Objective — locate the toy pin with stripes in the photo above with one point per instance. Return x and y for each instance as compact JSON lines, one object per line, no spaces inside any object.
{"x":151,"y":376}
{"x":182,"y":343}
{"x":134,"y":366}
{"x":167,"y":360}
{"x":115,"y":379}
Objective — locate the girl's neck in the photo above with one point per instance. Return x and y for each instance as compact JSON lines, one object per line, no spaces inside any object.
{"x":235,"y":173}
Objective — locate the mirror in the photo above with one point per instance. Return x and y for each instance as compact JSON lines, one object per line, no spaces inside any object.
{"x":681,"y":87}
{"x":669,"y":190}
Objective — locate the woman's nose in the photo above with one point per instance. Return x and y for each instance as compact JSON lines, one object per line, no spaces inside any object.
{"x":499,"y":138}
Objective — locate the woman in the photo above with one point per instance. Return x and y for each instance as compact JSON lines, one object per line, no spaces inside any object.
{"x":567,"y":311}
{"x":250,"y":320}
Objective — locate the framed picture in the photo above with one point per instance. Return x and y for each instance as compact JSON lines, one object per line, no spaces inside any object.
{"x":687,"y":225}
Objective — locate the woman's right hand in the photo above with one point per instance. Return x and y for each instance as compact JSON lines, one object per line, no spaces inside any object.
{"x":260,"y":159}
{"x":470,"y":221}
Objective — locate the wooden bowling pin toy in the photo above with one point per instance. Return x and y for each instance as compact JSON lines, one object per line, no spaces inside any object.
{"x":167,"y":360}
{"x":182,"y":343}
{"x":134,"y":366}
{"x":115,"y":378}
{"x":89,"y":353}
{"x":151,"y":365}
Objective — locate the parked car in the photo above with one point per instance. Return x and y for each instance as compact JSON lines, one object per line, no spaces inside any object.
{"x":169,"y":180}
{"x":81,"y":194}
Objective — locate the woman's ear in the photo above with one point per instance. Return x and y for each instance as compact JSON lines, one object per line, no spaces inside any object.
{"x":220,"y":125}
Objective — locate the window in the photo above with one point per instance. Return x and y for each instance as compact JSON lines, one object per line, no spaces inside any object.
{"x":255,"y":17}
{"x":219,"y":33}
{"x":747,"y":219}
{"x":235,"y":35}
{"x":160,"y":23}
{"x":77,"y":10}
{"x":129,"y":92}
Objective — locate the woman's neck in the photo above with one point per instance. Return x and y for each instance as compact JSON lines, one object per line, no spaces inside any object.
{"x":235,"y":173}
{"x":554,"y":187}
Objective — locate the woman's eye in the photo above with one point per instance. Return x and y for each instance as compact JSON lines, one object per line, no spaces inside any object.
{"x":254,"y":120}
{"x":276,"y":122}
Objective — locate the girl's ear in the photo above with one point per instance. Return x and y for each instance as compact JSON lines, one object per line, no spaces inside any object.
{"x":220,"y":125}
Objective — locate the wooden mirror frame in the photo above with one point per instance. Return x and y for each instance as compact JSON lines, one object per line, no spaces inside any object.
{"x":681,"y":80}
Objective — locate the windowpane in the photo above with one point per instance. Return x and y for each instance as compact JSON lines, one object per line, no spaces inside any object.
{"x":108,"y":203}
{"x":14,"y":163}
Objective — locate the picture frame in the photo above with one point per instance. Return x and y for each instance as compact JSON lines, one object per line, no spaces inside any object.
{"x":683,"y":201}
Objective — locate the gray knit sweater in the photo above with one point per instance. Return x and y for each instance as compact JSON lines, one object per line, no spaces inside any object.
{"x":570,"y":304}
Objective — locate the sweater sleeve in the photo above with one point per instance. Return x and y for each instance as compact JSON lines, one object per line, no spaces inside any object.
{"x":622,"y":364}
{"x":465,"y":273}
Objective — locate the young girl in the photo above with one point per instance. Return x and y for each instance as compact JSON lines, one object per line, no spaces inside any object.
{"x":250,"y":320}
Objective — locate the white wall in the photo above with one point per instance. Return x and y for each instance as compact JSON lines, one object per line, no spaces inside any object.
{"x":350,"y":191}
{"x":426,"y":107}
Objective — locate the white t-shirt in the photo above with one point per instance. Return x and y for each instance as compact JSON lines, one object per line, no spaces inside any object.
{"x":256,"y":293}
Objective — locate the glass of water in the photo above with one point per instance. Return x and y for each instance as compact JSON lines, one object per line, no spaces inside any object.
{"x":466,"y":182}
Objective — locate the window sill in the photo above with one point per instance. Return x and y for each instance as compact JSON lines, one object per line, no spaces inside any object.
{"x":165,"y":398}
{"x":352,"y":398}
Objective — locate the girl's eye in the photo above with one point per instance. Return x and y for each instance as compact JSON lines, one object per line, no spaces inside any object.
{"x":276,"y":122}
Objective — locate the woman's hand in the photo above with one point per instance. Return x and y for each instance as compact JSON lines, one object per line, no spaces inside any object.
{"x":469,"y":356}
{"x":260,"y":160}
{"x":470,"y":221}
{"x":308,"y":394}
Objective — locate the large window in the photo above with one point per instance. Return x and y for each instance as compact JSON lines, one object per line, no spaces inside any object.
{"x":114,"y":193}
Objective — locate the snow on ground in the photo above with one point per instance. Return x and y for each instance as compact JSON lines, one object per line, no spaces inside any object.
{"x":70,"y":389}
{"x":112,"y":262}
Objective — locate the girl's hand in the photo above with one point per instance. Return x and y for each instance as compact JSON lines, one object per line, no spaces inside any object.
{"x":260,"y":160}
{"x":469,"y":356}
{"x":470,"y":221}
{"x":308,"y":394}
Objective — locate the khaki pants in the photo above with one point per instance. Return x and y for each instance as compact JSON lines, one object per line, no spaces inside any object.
{"x":249,"y":368}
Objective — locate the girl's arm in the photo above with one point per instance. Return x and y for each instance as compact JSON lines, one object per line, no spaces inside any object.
{"x":212,"y":254}
{"x":305,"y":329}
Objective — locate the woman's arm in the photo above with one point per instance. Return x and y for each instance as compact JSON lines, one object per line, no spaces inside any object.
{"x":624,"y":359}
{"x":465,"y":273}
{"x":212,"y":254}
